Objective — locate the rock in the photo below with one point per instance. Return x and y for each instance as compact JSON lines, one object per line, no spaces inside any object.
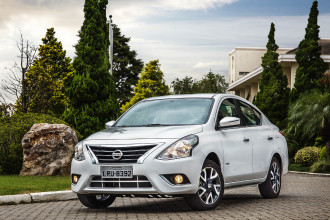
{"x":48,"y":149}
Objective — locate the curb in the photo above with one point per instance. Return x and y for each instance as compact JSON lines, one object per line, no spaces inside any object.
{"x":38,"y":197}
{"x":311,"y":174}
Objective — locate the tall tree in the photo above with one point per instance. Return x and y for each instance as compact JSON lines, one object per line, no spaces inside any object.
{"x":15,"y":85}
{"x":126,"y":67}
{"x":150,"y":84}
{"x":311,"y":70}
{"x":48,"y":78}
{"x":92,"y":91}
{"x":273,"y":97}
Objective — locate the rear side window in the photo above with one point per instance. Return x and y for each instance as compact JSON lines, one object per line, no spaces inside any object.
{"x":257,"y":116}
{"x":248,"y":114}
{"x":227,"y":109}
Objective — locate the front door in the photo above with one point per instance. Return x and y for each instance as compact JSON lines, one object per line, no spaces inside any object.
{"x":237,"y":147}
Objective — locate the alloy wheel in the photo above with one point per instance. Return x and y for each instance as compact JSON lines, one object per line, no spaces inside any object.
{"x":275,"y":177}
{"x":209,"y":185}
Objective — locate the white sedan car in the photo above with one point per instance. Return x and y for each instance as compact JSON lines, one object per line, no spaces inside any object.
{"x":192,"y":146}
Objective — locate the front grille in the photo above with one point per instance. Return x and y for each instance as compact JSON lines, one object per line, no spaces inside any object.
{"x":135,"y":182}
{"x":129,"y":154}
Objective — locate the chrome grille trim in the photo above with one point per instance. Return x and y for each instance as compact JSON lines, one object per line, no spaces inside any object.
{"x":135,"y":182}
{"x":131,"y":154}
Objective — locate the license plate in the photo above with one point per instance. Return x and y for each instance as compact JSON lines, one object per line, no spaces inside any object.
{"x":125,"y":172}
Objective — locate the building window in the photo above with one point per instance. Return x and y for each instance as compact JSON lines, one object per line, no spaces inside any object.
{"x":243,"y":73}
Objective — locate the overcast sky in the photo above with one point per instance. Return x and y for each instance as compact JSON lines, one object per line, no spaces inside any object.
{"x":189,"y":37}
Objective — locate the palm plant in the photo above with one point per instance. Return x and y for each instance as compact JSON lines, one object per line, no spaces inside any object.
{"x":310,"y":116}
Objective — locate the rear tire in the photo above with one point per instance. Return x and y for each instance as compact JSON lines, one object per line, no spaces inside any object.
{"x":96,"y":201}
{"x":210,"y":190}
{"x":272,"y":186}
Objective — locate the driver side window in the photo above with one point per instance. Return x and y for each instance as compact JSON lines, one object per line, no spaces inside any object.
{"x":227,"y":109}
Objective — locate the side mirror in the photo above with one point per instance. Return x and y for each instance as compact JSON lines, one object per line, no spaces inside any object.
{"x":229,"y":122}
{"x":109,"y":124}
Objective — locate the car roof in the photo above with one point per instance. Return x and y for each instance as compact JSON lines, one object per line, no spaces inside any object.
{"x":185,"y":96}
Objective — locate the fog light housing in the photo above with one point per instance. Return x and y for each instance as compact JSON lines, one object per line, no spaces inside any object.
{"x":75,"y":178}
{"x":176,"y":179}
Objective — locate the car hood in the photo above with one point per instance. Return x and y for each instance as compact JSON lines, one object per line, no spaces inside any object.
{"x":163,"y":132}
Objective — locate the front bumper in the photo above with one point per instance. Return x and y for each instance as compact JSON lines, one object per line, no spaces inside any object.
{"x":151,"y":168}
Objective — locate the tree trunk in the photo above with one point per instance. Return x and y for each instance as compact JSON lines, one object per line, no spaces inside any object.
{"x":24,"y":110}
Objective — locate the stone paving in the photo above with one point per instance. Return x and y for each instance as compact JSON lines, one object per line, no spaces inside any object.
{"x":302,"y":197}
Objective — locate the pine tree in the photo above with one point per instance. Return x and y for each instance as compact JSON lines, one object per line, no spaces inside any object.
{"x":126,"y":67}
{"x":150,"y":84}
{"x":92,"y":90}
{"x":273,"y":97}
{"x":311,"y":70}
{"x":48,"y":77}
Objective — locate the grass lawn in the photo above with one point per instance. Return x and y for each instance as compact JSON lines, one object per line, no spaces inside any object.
{"x":14,"y":184}
{"x":298,"y":167}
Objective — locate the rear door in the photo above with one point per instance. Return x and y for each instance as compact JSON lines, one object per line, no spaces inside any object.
{"x":260,"y":137}
{"x":237,"y":150}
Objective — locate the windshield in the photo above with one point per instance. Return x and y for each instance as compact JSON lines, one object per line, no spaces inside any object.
{"x":167,"y":112}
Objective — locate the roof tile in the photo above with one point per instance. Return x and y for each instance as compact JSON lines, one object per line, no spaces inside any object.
{"x":325,"y":45}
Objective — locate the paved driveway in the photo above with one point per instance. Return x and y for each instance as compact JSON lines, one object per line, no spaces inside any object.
{"x":302,"y":197}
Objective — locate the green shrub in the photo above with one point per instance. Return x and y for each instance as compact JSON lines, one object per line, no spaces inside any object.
{"x":307,"y":155}
{"x":319,"y":142}
{"x":321,"y":166}
{"x":323,"y":153}
{"x":12,"y":130}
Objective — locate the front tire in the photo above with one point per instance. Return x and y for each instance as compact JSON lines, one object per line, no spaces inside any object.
{"x":211,"y":187}
{"x":272,"y":186}
{"x":96,"y":201}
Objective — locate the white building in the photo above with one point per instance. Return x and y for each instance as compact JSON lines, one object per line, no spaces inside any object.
{"x":245,"y":67}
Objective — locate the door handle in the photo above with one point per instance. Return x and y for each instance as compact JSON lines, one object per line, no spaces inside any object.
{"x":246,"y":140}
{"x":270,"y":138}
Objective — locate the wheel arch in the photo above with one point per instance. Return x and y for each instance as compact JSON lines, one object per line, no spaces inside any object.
{"x":279,"y":159}
{"x":214,"y":157}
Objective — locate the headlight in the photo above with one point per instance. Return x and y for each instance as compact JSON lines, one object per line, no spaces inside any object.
{"x":180,"y":149}
{"x":78,"y":152}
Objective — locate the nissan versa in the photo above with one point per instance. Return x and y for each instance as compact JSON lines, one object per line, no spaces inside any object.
{"x":192,"y":146}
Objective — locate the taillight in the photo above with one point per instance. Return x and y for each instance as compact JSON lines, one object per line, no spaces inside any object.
{"x":281,"y":133}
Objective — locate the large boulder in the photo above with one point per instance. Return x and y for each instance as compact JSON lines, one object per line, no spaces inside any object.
{"x":48,"y":149}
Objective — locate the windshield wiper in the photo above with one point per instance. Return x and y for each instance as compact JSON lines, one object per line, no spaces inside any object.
{"x":153,"y":125}
{"x":146,"y":125}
